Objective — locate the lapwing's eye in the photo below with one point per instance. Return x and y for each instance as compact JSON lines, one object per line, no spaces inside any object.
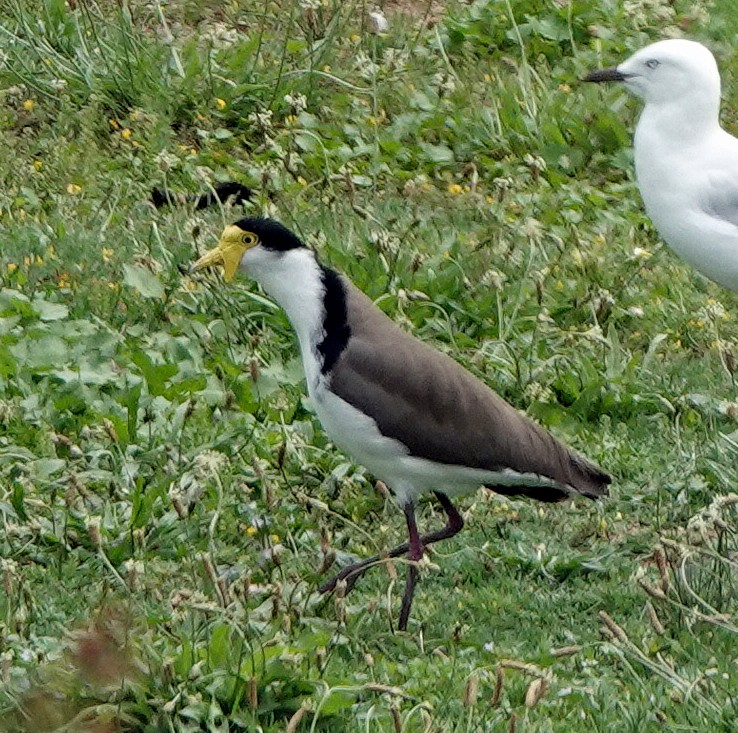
{"x":652,"y":63}
{"x":249,"y":239}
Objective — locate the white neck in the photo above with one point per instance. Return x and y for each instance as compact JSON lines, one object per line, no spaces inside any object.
{"x":684,"y":120}
{"x":293,"y":280}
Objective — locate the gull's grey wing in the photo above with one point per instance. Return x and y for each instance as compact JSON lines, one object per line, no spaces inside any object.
{"x":440,"y":411}
{"x":719,"y":197}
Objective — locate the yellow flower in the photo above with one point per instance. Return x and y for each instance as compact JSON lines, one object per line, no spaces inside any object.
{"x":454,"y":189}
{"x":565,"y":88}
{"x":251,"y":531}
{"x":12,"y":267}
{"x":73,"y":189}
{"x":114,"y":123}
{"x":354,"y":38}
{"x":62,"y":279}
{"x":302,"y":181}
{"x":220,"y":103}
{"x":38,"y":164}
{"x":107,"y":253}
{"x":27,"y":261}
{"x":126,"y":133}
{"x":274,"y":537}
{"x":490,"y":199}
{"x":39,"y":260}
{"x":327,"y":68}
{"x":28,"y":105}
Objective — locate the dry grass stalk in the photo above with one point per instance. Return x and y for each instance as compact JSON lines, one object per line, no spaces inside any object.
{"x":566,"y":651}
{"x":616,"y":630}
{"x":660,"y":557}
{"x":497,"y":692}
{"x":536,"y":690}
{"x":340,"y":601}
{"x":530,"y":669}
{"x":658,"y":627}
{"x":296,"y":719}
{"x":471,"y":693}
{"x":396,"y":718}
{"x":253,"y":694}
{"x":329,"y":557}
{"x":207,"y":562}
{"x":652,"y":590}
{"x":385,"y":689}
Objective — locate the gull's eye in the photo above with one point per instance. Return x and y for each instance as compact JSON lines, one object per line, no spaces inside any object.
{"x":249,"y":239}
{"x":652,"y":63}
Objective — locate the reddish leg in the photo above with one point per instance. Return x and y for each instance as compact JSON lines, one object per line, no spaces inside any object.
{"x":414,"y":553}
{"x":351,"y":573}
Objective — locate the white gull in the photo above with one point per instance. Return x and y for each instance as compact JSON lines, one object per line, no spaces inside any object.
{"x":686,"y":164}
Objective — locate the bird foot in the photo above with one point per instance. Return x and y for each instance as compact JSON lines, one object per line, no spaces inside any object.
{"x":350,"y":574}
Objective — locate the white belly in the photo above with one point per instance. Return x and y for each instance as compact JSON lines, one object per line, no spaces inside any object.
{"x":675,"y":186}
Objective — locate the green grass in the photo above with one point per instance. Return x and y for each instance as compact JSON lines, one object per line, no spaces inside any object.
{"x":167,"y":497}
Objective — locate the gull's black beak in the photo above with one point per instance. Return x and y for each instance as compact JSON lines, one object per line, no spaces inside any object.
{"x":610,"y":74}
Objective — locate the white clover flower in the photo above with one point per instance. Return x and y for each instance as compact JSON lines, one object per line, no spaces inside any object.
{"x":365,"y":66}
{"x":444,"y":82}
{"x":219,"y":35}
{"x":534,"y":162}
{"x":714,"y":311}
{"x":503,"y":183}
{"x":386,"y":242}
{"x":493,"y":278}
{"x":395,"y":59}
{"x":309,"y":4}
{"x":602,"y":299}
{"x":262,"y":119}
{"x":537,"y":392}
{"x":166,"y":161}
{"x":533,"y":229}
{"x":8,"y":412}
{"x":298,"y":102}
{"x":209,"y":463}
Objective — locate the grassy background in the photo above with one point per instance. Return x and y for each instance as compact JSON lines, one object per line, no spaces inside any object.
{"x":169,"y":502}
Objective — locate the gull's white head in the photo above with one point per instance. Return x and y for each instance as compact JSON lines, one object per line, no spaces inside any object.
{"x":668,"y":72}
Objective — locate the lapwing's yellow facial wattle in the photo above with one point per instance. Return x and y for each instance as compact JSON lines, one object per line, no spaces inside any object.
{"x":233,"y":243}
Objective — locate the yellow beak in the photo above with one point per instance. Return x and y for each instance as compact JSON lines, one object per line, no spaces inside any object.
{"x":228,"y":253}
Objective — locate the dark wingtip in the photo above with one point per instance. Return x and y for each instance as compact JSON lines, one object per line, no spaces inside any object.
{"x":610,"y":74}
{"x":237,"y":193}
{"x":222,"y":192}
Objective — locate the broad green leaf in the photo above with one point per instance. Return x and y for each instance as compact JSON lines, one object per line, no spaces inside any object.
{"x":48,"y":311}
{"x":143,"y":280}
{"x":437,"y":153}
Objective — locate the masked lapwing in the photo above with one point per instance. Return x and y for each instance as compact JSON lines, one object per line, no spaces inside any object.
{"x":413,"y":416}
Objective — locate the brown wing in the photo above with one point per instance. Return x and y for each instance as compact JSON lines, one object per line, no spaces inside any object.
{"x":440,"y":411}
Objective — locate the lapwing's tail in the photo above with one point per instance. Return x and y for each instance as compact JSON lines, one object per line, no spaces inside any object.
{"x":593,"y":481}
{"x":576,"y":477}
